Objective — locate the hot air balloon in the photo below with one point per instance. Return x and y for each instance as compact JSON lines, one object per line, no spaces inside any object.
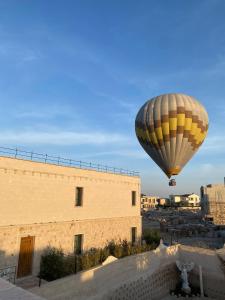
{"x":171,"y":128}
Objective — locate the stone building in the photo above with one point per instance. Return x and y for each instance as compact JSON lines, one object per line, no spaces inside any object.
{"x":163,"y":201}
{"x":213,"y":202}
{"x":45,"y":205}
{"x":148,"y":202}
{"x":191,"y":200}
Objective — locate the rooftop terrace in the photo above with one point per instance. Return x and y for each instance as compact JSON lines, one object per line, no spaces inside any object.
{"x":60,"y":161}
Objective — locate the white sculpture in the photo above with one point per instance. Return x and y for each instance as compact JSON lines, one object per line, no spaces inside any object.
{"x":185,"y":268}
{"x":161,"y":246}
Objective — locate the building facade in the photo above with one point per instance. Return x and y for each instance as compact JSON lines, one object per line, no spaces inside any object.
{"x":188,"y":200}
{"x":148,"y":202}
{"x":213,"y":202}
{"x":65,"y":207}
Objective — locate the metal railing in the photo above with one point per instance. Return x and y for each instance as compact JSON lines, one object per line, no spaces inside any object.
{"x":8,"y":273}
{"x":60,"y":161}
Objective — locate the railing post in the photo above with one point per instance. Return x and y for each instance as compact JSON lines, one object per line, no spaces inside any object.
{"x":75,"y":263}
{"x":16,"y":153}
{"x":31,"y":156}
{"x":14,"y":278}
{"x":58,"y":160}
{"x":46,"y":157}
{"x":80,"y":163}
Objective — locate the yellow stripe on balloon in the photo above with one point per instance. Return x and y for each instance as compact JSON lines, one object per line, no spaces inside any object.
{"x":153,"y":138}
{"x":198,"y":136}
{"x":180,"y":119}
{"x":173,"y":123}
{"x":193,"y":128}
{"x":165,"y":128}
{"x":159,"y":133}
{"x":188,"y":122}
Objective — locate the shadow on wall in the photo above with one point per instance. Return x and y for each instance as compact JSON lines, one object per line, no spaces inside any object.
{"x":51,"y":263}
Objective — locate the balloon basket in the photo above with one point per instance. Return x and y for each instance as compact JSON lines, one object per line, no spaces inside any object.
{"x":172,"y":182}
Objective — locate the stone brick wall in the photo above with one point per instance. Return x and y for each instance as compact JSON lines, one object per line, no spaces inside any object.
{"x":38,"y":199}
{"x":213,"y":202}
{"x":212,"y":272}
{"x":96,"y":234}
{"x":33,"y":192}
{"x":145,"y":276}
{"x":155,"y":286}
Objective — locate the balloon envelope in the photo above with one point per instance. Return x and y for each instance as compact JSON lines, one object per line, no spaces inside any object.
{"x":171,"y":128}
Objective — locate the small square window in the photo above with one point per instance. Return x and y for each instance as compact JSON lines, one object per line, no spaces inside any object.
{"x":79,"y":196}
{"x":133,"y":198}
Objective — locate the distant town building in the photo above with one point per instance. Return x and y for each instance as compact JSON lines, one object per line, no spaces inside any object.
{"x":148,"y":202}
{"x":46,"y":204}
{"x":163,"y":201}
{"x":213,"y":202}
{"x":186,"y":200}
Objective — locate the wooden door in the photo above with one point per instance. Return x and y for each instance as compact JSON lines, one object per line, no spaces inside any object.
{"x":25,"y":256}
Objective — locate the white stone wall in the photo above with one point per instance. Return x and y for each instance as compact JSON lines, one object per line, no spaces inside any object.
{"x":61,"y":235}
{"x":38,"y":199}
{"x":147,"y":276}
{"x":33,"y":192}
{"x":212,"y":269}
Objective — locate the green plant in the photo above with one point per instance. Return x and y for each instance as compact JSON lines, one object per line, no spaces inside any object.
{"x":52,"y":264}
{"x":90,"y":258}
{"x":151,"y":236}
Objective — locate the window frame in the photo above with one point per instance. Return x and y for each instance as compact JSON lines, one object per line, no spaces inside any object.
{"x":79,"y":196}
{"x":133,"y":235}
{"x":81,"y":242}
{"x":133,"y":198}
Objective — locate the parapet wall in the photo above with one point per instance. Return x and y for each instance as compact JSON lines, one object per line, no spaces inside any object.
{"x":144,"y":276}
{"x":154,"y":286}
{"x":147,"y":276}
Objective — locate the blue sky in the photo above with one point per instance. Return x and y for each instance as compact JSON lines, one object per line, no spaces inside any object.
{"x":74,"y":74}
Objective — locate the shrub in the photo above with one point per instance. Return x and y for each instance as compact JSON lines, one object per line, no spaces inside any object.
{"x":104,"y":253}
{"x":90,"y":258}
{"x":52,"y":264}
{"x":151,"y":237}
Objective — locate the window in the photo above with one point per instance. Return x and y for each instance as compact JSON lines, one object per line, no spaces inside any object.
{"x":78,"y":244}
{"x":133,"y":235}
{"x":133,"y":198}
{"x":79,"y":196}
